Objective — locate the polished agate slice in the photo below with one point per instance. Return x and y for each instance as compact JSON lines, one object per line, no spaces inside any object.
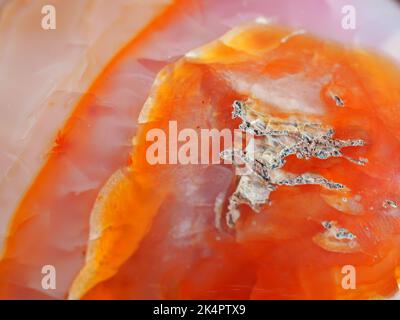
{"x":302,"y":204}
{"x":318,"y":195}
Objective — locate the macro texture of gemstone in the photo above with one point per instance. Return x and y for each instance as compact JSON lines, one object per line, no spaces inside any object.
{"x":209,"y":149}
{"x":327,"y":145}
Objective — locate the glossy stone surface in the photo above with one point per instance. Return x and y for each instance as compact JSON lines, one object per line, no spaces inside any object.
{"x":153,"y":229}
{"x":68,"y":125}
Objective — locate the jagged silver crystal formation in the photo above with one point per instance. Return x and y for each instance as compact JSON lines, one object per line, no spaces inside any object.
{"x":260,"y":169}
{"x":389,"y":204}
{"x":338,"y":233}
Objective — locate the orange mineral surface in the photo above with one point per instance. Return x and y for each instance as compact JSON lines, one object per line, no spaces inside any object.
{"x":307,"y":210}
{"x":317,"y":202}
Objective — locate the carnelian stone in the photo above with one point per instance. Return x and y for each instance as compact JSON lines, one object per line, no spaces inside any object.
{"x":282,"y":252}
